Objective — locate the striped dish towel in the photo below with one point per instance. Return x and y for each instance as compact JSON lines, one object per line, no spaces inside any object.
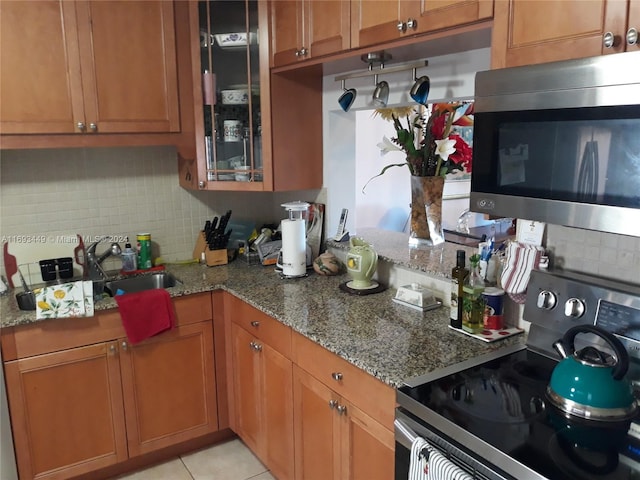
{"x":429,"y":464}
{"x":521,"y":258}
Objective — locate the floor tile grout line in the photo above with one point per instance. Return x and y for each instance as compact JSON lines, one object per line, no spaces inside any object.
{"x":187,"y":468}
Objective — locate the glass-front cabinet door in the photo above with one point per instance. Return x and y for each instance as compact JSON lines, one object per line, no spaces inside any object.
{"x":230,"y":72}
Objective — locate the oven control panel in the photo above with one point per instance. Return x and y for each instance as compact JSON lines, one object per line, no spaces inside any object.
{"x":559,"y":300}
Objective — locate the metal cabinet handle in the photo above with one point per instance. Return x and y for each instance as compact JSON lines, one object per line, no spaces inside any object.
{"x":333,"y":404}
{"x":303,"y":51}
{"x":609,"y":40}
{"x":256,"y":346}
{"x":124,"y":346}
{"x":401,"y":26}
{"x":342,"y":410}
{"x":255,"y":324}
{"x":412,"y":23}
{"x":93,"y":127}
{"x":80,"y":126}
{"x":632,"y":36}
{"x":337,"y":376}
{"x":201,"y":184}
{"x":112,"y":349}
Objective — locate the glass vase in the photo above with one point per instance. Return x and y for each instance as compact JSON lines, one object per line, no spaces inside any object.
{"x":426,"y":211}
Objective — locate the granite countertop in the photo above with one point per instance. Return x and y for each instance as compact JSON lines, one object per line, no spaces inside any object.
{"x":390,"y":341}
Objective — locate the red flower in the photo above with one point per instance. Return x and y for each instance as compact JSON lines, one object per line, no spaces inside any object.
{"x":461,"y":158}
{"x":437,"y":127}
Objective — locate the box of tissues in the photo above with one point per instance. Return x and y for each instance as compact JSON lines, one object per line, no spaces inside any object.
{"x":417,"y":297}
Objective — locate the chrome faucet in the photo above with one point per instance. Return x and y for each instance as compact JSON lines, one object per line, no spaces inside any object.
{"x":94,"y":262}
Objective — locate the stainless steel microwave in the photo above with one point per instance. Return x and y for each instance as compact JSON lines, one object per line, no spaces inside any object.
{"x":560,"y":143}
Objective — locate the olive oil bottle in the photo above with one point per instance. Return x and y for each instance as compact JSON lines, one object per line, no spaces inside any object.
{"x":458,"y":275}
{"x":472,"y":300}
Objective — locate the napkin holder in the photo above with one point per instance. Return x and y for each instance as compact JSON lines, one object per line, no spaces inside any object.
{"x":417,"y":297}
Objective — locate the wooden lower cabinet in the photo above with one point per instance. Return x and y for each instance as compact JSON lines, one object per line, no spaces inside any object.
{"x":263,"y":399}
{"x":169,"y":386}
{"x":334,"y":439}
{"x":82,"y":408}
{"x":66,"y":411}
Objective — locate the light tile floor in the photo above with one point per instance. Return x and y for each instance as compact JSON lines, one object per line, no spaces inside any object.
{"x":230,"y":460}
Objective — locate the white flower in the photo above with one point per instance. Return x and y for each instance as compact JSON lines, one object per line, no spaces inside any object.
{"x":387,"y":146}
{"x":445,"y":147}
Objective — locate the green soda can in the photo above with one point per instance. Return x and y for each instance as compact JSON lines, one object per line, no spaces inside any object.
{"x":144,"y":251}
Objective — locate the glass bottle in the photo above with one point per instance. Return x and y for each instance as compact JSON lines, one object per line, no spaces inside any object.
{"x":458,"y":275}
{"x":472,"y":300}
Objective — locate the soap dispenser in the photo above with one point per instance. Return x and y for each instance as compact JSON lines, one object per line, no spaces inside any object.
{"x":129,"y":258}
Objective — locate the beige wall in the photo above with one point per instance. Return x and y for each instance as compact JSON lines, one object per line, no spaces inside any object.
{"x":117,"y":191}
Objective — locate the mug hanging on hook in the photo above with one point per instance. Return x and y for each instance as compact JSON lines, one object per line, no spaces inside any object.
{"x":420,"y":89}
{"x":346,"y":99}
{"x":381,"y":93}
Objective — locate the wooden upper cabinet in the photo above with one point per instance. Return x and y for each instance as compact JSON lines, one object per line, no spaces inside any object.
{"x":40,"y":83}
{"x":375,"y":21}
{"x":303,"y":29}
{"x":528,"y":32}
{"x":128,"y":54}
{"x":87,"y":67}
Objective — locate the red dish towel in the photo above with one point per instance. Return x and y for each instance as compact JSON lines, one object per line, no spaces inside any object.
{"x":145,"y":314}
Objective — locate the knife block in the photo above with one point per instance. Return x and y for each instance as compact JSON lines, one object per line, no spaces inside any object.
{"x":216,"y":257}
{"x":201,"y":246}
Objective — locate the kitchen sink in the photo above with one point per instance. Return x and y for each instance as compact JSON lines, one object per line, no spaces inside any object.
{"x":141,"y":283}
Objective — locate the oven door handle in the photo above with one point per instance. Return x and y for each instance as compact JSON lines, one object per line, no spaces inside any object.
{"x":404,"y":434}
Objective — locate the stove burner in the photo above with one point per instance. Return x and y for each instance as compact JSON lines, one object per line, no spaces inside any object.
{"x":532,"y":371}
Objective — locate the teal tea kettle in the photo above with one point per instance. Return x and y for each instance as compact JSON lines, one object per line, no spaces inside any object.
{"x":590,"y":383}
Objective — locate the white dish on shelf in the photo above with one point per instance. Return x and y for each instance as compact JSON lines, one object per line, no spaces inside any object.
{"x":235,"y":96}
{"x":239,"y":39}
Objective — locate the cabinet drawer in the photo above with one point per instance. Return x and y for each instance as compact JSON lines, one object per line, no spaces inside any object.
{"x":259,"y":324}
{"x":63,"y":333}
{"x":363,"y":390}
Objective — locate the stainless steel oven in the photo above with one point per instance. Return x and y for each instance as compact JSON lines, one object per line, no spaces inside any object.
{"x":560,"y":143}
{"x":489,"y":415}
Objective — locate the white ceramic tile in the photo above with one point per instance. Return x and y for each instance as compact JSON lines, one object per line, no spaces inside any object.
{"x":227,"y":461}
{"x":172,"y":470}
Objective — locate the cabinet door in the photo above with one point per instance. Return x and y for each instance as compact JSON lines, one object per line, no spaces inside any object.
{"x":66,"y":412}
{"x":128,"y":54}
{"x":368,"y":449}
{"x":527,"y":32}
{"x":328,"y":26}
{"x":169,"y":387}
{"x":39,"y":67}
{"x":432,"y":15}
{"x":633,"y":22}
{"x":286,"y":31}
{"x":374,"y":21}
{"x":317,"y":430}
{"x":246,"y":382}
{"x":277,"y":404}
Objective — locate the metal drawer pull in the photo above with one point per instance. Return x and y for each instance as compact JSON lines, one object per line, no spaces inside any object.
{"x":112,"y":349}
{"x":256,"y":346}
{"x":80,"y":126}
{"x":93,"y":127}
{"x":124,"y":346}
{"x":255,"y":324}
{"x":632,"y":36}
{"x":412,"y":23}
{"x":337,"y":376}
{"x":333,"y":404}
{"x":609,"y":40}
{"x":342,"y":410}
{"x":401,"y":26}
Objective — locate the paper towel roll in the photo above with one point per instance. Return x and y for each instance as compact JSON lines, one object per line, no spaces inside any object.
{"x":294,"y":248}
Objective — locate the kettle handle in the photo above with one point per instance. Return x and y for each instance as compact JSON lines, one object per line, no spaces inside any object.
{"x":622,"y":356}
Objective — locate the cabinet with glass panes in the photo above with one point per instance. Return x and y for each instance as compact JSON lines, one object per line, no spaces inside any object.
{"x":254,"y":130}
{"x":230,"y":72}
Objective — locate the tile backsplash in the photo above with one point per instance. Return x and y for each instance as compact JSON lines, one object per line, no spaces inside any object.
{"x":597,"y":253}
{"x":116,"y":191}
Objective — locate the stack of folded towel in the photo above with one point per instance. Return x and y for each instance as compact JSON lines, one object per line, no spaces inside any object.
{"x":73,"y":299}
